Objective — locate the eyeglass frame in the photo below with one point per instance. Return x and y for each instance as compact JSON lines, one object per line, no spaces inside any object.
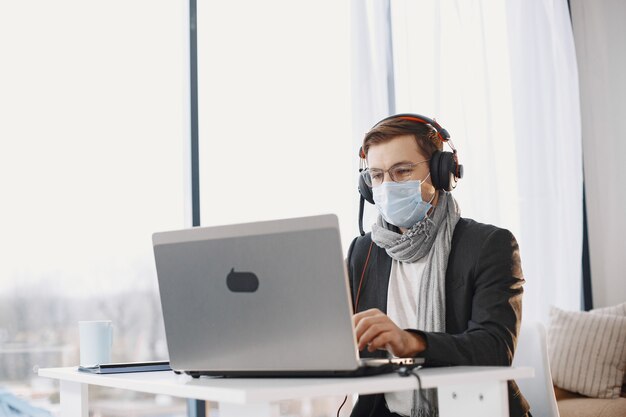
{"x":368,"y":178}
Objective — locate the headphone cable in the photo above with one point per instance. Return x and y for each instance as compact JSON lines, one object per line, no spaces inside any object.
{"x":412,"y":371}
{"x":404,"y":371}
{"x":341,"y":406}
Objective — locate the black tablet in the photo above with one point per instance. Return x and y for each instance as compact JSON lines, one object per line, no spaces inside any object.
{"x":116,"y":368}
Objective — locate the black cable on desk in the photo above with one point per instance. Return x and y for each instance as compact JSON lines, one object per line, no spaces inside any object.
{"x":405,"y":371}
{"x":344,"y":401}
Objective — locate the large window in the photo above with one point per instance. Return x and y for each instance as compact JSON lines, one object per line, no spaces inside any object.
{"x":275,"y":120}
{"x":274,"y":111}
{"x":94,"y":132}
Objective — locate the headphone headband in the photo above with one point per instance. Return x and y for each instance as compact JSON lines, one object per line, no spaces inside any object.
{"x":443,"y":134}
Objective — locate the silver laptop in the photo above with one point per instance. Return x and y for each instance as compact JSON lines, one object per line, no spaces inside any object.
{"x":260,"y":299}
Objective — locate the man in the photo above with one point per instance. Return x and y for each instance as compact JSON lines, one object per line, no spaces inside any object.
{"x":426,"y":282}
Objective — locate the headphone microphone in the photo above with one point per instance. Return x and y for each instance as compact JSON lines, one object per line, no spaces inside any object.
{"x":445,"y":170}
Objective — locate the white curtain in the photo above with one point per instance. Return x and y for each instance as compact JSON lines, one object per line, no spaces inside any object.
{"x":501,"y":77}
{"x":372,"y":77}
{"x":600,"y":32}
{"x":549,"y":152}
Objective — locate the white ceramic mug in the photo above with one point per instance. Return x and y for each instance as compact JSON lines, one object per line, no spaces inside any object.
{"x":96,"y":341}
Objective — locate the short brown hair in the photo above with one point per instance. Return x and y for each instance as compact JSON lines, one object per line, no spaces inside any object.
{"x":425,"y":135}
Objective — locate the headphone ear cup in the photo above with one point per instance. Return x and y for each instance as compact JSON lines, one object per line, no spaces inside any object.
{"x":435,"y":163}
{"x":442,"y":170}
{"x":365,"y":190}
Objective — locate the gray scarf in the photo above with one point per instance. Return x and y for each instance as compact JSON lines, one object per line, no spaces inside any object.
{"x":430,"y":238}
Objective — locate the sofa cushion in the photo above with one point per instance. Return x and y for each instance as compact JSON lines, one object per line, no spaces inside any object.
{"x":592,"y":407}
{"x":562,"y":394}
{"x":587,"y":352}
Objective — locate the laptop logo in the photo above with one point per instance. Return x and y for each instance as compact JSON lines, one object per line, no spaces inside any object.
{"x":242,"y":281}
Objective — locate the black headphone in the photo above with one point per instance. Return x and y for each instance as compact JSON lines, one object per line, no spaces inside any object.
{"x":445,"y":170}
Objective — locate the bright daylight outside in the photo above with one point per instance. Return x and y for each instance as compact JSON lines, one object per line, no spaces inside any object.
{"x":95,"y":131}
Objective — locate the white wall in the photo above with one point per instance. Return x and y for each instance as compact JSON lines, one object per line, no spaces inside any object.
{"x":599,"y":33}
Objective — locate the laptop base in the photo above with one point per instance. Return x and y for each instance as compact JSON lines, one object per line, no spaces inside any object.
{"x":365,"y":370}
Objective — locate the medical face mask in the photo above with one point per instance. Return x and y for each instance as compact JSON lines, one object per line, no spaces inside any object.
{"x":401,"y":203}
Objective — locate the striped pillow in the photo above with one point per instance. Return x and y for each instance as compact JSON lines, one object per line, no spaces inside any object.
{"x":618,"y":310}
{"x":587,"y":352}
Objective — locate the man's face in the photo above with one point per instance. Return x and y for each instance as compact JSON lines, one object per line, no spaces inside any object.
{"x":401,"y":150}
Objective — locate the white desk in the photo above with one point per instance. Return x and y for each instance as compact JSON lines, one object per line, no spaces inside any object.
{"x":467,"y":391}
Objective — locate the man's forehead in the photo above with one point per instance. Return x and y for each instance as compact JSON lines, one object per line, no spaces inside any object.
{"x":398,"y":150}
{"x":399,"y":143}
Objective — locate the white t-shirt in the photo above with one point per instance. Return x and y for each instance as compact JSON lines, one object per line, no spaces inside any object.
{"x":402,"y":292}
{"x":402,"y":307}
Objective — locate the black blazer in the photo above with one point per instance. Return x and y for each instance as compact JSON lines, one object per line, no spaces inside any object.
{"x":483,"y":303}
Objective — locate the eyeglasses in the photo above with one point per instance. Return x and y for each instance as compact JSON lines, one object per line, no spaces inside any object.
{"x":398,"y":173}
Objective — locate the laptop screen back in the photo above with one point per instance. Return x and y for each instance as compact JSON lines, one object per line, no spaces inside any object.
{"x":268,"y":296}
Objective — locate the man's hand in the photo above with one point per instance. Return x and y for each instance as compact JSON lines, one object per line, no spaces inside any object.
{"x":375,"y":330}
